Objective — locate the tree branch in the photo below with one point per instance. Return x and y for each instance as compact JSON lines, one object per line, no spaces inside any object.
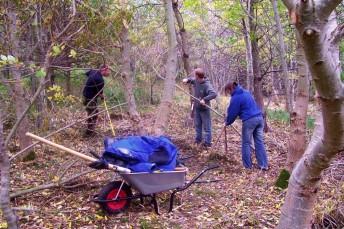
{"x":337,"y":34}
{"x":325,"y":7}
{"x":290,"y":4}
{"x":14,"y":128}
{"x":63,"y":128}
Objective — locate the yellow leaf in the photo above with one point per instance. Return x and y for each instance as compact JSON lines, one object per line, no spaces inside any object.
{"x":125,"y":24}
{"x":99,"y":217}
{"x":56,"y":179}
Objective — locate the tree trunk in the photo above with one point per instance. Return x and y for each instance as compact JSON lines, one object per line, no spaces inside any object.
{"x":283,"y":56}
{"x":127,"y":73}
{"x":163,"y":112}
{"x":7,"y":212}
{"x":39,"y":103}
{"x":258,"y":95}
{"x":257,"y":81}
{"x":184,"y":44}
{"x":184,"y":39}
{"x":247,"y":38}
{"x":298,"y":118}
{"x":316,"y":23}
{"x":19,"y":94}
{"x":68,"y":82}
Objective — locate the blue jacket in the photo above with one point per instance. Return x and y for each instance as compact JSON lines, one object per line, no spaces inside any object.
{"x":242,"y":104}
{"x":94,"y":84}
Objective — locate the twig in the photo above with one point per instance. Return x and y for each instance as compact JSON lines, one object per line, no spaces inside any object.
{"x":226,"y":147}
{"x":218,"y":137}
{"x":65,"y":171}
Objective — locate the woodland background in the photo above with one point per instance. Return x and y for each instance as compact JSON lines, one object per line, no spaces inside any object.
{"x":288,"y":54}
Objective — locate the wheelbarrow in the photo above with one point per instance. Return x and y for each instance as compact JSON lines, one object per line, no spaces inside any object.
{"x":115,"y":197}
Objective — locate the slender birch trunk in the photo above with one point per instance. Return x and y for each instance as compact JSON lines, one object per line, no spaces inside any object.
{"x":163,"y":112}
{"x":247,"y":38}
{"x":127,"y":73}
{"x":298,"y":118}
{"x":316,"y":25}
{"x":283,"y":56}
{"x":184,"y":38}
{"x":8,"y":214}
{"x":185,"y":46}
{"x":19,"y":93}
{"x":257,"y":80}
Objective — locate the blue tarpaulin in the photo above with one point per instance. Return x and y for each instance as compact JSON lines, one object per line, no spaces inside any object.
{"x":141,"y":153}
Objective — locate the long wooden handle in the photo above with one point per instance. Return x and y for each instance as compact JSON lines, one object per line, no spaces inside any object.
{"x":75,"y":153}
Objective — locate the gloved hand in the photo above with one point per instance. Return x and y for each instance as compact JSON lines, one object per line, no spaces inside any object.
{"x":202,"y":102}
{"x":185,"y":80}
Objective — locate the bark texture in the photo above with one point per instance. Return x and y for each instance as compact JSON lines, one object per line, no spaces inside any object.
{"x":7,"y":212}
{"x":283,"y":56}
{"x":257,"y":78}
{"x":184,"y":38}
{"x":19,"y":93}
{"x":298,"y":117}
{"x":249,"y":66}
{"x":257,"y":81}
{"x":315,"y":22}
{"x":127,"y":73}
{"x":162,"y":117}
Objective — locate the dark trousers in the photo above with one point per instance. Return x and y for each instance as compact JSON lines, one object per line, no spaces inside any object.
{"x":91,"y":109}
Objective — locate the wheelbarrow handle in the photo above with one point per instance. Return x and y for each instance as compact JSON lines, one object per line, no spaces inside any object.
{"x":192,"y":181}
{"x":211,"y":167}
{"x":75,"y":153}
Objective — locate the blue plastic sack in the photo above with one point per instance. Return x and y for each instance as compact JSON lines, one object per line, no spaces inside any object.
{"x":141,"y":153}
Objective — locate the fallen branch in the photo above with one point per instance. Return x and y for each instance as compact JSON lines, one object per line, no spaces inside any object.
{"x":48,"y":186}
{"x":27,"y":209}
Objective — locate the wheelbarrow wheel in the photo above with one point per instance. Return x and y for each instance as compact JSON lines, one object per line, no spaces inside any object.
{"x":109,"y":192}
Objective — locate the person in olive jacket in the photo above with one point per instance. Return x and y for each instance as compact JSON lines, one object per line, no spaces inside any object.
{"x":204,"y":92}
{"x":92,"y":91}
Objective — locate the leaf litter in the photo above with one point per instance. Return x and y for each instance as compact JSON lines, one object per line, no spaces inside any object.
{"x":241,"y":199}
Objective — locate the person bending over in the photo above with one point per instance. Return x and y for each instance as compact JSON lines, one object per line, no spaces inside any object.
{"x":242,"y":104}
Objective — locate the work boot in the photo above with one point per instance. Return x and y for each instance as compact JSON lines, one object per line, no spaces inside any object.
{"x":206,"y":145}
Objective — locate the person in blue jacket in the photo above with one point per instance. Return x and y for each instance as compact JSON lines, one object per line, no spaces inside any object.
{"x":92,"y":91}
{"x":242,"y":104}
{"x":204,"y":92}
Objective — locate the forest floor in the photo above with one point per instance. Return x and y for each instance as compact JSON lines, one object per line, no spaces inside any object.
{"x":242,"y":199}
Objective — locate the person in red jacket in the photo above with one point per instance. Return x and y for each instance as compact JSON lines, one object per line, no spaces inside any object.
{"x":92,"y":91}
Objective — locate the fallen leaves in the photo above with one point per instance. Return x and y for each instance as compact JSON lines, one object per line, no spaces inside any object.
{"x":242,"y":199}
